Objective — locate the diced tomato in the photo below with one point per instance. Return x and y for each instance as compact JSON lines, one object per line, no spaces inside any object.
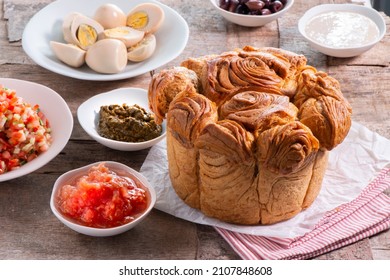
{"x":21,"y":126}
{"x":103,"y":199}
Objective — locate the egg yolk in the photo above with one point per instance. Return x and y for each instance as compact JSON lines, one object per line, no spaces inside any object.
{"x":86,"y":35}
{"x":138,"y":20}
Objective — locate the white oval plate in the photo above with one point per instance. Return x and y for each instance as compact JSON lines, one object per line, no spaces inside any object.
{"x":88,"y":116}
{"x":46,"y":26}
{"x":57,"y":112}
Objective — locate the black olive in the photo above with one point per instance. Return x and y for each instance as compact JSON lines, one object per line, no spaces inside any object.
{"x":265,"y":12}
{"x":255,"y":13}
{"x":224,"y":4}
{"x":267,"y":3}
{"x":276,"y":6}
{"x":233,"y":5}
{"x":255,"y":5}
{"x":242,"y":9}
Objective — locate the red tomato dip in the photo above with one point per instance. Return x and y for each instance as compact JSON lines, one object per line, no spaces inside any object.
{"x":103,"y":198}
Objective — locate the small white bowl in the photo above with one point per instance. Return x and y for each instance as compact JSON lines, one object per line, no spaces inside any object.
{"x":251,"y":20}
{"x":342,"y":52}
{"x":100,"y":232}
{"x":88,"y":116}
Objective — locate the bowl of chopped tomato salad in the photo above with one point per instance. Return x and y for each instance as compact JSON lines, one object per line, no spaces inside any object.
{"x":24,"y":131}
{"x":102,"y":199}
{"x":35,"y":125}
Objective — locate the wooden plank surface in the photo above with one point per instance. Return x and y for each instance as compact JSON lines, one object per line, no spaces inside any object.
{"x":28,"y":229}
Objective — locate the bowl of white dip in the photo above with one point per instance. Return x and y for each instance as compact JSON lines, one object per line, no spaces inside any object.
{"x":342,"y":30}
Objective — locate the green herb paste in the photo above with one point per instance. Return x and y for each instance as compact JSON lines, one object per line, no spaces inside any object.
{"x":127,"y":123}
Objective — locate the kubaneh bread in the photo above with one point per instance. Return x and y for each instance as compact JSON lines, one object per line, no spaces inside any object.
{"x":248,"y":132}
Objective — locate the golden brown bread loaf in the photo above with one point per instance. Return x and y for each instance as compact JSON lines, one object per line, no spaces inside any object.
{"x":248,"y":132}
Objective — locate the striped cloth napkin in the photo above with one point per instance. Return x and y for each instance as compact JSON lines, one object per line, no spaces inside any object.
{"x":364,"y":216}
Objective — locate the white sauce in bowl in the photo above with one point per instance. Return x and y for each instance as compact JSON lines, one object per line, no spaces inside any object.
{"x":340,"y":29}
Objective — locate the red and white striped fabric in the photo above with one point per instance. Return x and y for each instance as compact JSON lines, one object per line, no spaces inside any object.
{"x":365,"y":216}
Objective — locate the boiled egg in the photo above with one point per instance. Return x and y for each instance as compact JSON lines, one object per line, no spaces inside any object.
{"x":107,"y":56}
{"x":66,"y":26}
{"x":146,"y":17}
{"x":143,"y":50}
{"x":81,"y":30}
{"x":127,"y":35}
{"x":110,"y":16}
{"x":70,"y":54}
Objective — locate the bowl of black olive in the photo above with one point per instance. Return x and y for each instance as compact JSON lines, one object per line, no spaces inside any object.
{"x":252,"y":13}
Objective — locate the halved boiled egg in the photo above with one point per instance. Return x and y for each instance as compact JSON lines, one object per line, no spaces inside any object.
{"x":81,"y":30}
{"x":70,"y":54}
{"x":143,"y":50}
{"x":110,"y":16}
{"x":127,"y":35}
{"x":146,"y":17}
{"x":107,"y":56}
{"x":66,"y":26}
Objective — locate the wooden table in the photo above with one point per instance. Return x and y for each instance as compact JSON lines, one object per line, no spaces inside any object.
{"x":28,"y":229}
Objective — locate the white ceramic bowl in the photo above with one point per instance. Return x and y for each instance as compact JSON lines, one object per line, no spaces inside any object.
{"x":342,"y":52}
{"x":100,"y":232}
{"x":88,"y":116}
{"x":251,"y":20}
{"x":45,"y":26}
{"x":57,"y":112}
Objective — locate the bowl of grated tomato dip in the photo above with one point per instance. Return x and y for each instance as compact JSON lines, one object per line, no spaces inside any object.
{"x":25,"y":132}
{"x":102,"y":199}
